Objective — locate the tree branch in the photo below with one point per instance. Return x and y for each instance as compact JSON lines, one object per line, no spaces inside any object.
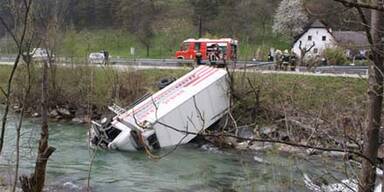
{"x":360,"y":5}
{"x":275,"y":141}
{"x":2,"y":91}
{"x":10,"y":32}
{"x":366,"y":24}
{"x":309,"y":49}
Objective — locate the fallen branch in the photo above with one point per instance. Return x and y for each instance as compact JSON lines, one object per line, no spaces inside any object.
{"x":274,"y":141}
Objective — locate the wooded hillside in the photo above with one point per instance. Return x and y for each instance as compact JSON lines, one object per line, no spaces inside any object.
{"x":158,"y":26}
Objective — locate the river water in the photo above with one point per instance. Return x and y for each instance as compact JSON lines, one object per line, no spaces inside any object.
{"x":189,"y":168}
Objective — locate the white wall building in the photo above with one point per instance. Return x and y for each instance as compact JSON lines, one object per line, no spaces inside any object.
{"x":318,"y":34}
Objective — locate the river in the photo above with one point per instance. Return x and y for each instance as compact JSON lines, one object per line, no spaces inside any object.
{"x":189,"y":168}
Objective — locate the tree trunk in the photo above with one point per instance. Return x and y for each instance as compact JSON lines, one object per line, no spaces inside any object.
{"x":375,"y":99}
{"x":36,"y":182}
{"x":147,"y":46}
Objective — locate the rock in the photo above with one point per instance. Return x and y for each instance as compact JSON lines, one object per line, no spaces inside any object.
{"x":335,"y":153}
{"x":241,"y":145}
{"x":230,"y":141}
{"x":210,"y":148}
{"x":35,"y":115}
{"x":289,"y":149}
{"x":64,"y":112}
{"x":53,"y":114}
{"x":352,"y":145}
{"x":245,"y":132}
{"x":284,"y":136}
{"x":17,"y":108}
{"x":313,"y":151}
{"x":69,"y":186}
{"x":260,"y":146}
{"x":260,"y":160}
{"x":266,"y":131}
{"x":78,"y":120}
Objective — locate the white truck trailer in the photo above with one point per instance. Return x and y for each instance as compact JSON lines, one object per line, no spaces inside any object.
{"x":172,"y":116}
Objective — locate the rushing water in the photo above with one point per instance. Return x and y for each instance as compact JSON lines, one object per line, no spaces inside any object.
{"x":189,"y":168}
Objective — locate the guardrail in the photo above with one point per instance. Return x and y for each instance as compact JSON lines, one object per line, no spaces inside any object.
{"x":130,"y":61}
{"x":7,"y":58}
{"x":241,"y":64}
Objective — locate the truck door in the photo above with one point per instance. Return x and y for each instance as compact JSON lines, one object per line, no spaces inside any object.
{"x":191,"y":51}
{"x":203,"y":50}
{"x":197,"y":46}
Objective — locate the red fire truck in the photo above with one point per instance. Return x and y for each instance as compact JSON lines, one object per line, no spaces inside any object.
{"x":212,"y":50}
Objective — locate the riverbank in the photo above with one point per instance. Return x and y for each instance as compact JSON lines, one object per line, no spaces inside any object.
{"x":307,"y":110}
{"x":285,"y":107}
{"x":190,"y":168}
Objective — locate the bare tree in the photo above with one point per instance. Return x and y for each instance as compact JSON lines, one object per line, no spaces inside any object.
{"x":375,"y":34}
{"x":48,"y":17}
{"x":24,"y":106}
{"x":303,"y":52}
{"x":20,"y":12}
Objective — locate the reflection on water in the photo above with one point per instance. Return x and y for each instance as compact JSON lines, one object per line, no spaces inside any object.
{"x":189,"y":168}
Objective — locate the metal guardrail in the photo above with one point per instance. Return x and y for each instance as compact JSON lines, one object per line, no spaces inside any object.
{"x":360,"y":70}
{"x":130,"y":61}
{"x":240,"y":64}
{"x":9,"y":58}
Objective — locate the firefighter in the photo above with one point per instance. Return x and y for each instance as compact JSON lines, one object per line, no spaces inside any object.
{"x":199,"y":57}
{"x":214,"y":54}
{"x":292,"y":61}
{"x":286,"y":60}
{"x":278,"y":61}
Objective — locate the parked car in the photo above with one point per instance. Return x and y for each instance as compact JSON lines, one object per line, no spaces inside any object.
{"x":96,"y":58}
{"x":42,"y":54}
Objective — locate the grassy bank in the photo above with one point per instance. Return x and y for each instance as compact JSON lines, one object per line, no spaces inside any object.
{"x":87,"y":88}
{"x":323,"y":111}
{"x":305,"y":109}
{"x":304,"y":93}
{"x":258,"y":97}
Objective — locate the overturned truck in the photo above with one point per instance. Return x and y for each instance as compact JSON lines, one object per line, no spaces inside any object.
{"x":172,"y":116}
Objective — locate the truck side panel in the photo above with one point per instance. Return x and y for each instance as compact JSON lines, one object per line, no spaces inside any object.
{"x":194,"y":115}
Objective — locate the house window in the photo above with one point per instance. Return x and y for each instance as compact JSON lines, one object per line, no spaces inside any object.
{"x":315,"y":50}
{"x":309,"y":37}
{"x":324,"y":38}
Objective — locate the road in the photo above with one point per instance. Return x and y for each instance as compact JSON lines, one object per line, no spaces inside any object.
{"x":249,"y":66}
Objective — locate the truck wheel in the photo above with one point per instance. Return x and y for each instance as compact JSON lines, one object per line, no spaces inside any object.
{"x":165,"y":82}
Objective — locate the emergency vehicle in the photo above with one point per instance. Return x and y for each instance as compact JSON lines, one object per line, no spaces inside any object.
{"x":218,"y":50}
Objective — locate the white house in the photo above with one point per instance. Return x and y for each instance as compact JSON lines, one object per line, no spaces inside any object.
{"x":318,"y":37}
{"x":315,"y":35}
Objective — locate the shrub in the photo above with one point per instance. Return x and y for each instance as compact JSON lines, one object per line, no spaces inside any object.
{"x":335,"y":56}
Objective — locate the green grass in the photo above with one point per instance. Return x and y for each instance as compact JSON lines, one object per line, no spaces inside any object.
{"x":327,"y":97}
{"x":84,"y":86}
